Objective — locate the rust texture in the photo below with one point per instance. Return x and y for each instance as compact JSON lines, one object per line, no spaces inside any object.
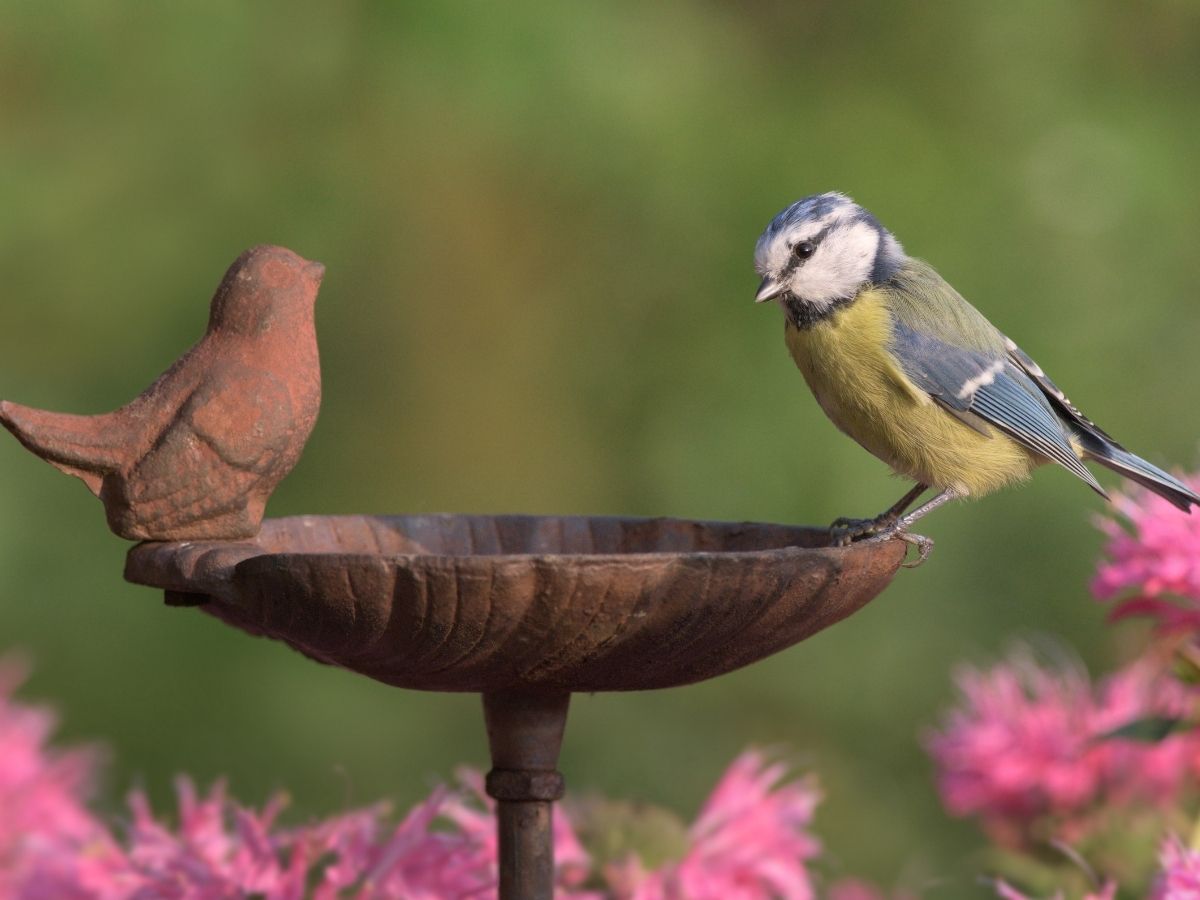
{"x":525,"y":733}
{"x":522,"y":603}
{"x":198,"y":453}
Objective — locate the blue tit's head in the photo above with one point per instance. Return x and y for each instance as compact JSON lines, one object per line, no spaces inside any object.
{"x":823,"y":249}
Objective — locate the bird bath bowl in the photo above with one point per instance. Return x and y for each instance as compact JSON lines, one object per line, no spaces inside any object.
{"x":524,"y":610}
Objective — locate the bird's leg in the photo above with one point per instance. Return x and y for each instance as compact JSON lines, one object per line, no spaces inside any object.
{"x":940,"y":500}
{"x":899,"y":528}
{"x":844,"y":531}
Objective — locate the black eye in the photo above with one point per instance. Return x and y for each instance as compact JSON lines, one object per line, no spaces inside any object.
{"x":804,"y":249}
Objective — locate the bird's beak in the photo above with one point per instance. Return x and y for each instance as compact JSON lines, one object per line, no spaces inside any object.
{"x":768,"y":290}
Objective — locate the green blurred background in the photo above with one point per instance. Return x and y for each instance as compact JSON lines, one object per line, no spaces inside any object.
{"x":538,"y":222}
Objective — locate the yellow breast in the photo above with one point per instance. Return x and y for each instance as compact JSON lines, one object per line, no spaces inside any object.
{"x":861,"y":387}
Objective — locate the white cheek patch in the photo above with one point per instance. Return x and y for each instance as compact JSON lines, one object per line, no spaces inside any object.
{"x":843,"y":261}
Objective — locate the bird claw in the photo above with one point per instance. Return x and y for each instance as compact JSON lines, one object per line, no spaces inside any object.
{"x":923,"y":544}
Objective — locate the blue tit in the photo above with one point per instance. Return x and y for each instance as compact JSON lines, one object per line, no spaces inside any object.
{"x":916,"y":375}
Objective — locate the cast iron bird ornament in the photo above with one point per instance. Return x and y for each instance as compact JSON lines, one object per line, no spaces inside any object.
{"x":197,"y":454}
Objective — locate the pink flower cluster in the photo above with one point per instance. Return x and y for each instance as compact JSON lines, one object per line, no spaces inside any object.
{"x":42,"y":791}
{"x":1156,"y":558}
{"x":221,"y":850}
{"x":750,"y":842}
{"x":1180,"y":877}
{"x":1030,"y":745}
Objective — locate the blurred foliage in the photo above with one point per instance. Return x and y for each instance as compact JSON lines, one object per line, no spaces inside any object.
{"x":538,"y":220}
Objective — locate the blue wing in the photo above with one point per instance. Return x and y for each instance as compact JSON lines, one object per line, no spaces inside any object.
{"x":977,"y":382}
{"x":1098,"y":445}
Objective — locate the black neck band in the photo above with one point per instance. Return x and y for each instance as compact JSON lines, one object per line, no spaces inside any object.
{"x":806,"y":315}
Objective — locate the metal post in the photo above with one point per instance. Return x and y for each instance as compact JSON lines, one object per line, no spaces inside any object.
{"x":525,"y":733}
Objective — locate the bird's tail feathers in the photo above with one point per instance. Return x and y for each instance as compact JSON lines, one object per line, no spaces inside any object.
{"x":78,"y":445}
{"x":1138,"y":470}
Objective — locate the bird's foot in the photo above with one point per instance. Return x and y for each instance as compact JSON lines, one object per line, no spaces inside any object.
{"x":843,"y":532}
{"x":923,"y":544}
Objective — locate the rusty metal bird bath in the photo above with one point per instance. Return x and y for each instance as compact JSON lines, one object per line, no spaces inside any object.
{"x":523,"y":610}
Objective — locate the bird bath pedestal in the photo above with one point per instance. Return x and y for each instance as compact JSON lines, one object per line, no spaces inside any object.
{"x":524,"y":611}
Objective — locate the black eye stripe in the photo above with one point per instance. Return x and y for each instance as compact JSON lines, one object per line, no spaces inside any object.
{"x":795,"y":259}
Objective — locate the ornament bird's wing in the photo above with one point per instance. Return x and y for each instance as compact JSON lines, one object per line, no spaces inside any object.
{"x":233,"y":429}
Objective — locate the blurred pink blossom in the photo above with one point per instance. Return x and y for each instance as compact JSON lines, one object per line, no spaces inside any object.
{"x":42,"y":790}
{"x":1138,"y":770}
{"x":1159,"y":555}
{"x":1027,"y":743}
{"x":221,"y":850}
{"x":53,"y":848}
{"x":1180,"y":876}
{"x":750,"y":842}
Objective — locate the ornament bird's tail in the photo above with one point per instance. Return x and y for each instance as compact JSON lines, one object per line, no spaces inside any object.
{"x":88,"y":447}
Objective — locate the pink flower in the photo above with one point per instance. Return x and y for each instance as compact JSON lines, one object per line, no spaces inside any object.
{"x":52,"y":848}
{"x":42,"y":791}
{"x":1180,"y":876}
{"x":750,"y":842}
{"x":415,"y":859}
{"x":221,"y":850}
{"x":1013,"y":748}
{"x":218,"y":851}
{"x":1027,"y":743}
{"x":1135,"y":771}
{"x":1159,"y":555}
